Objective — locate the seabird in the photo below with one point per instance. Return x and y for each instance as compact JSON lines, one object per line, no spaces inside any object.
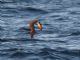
{"x":32,"y":28}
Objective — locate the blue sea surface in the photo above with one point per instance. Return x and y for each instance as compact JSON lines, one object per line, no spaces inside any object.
{"x":59,"y":39}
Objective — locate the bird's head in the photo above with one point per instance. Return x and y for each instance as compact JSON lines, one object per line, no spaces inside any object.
{"x":39,"y":25}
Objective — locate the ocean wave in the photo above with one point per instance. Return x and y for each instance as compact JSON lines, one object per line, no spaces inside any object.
{"x":6,"y":1}
{"x":75,"y":33}
{"x":20,"y":54}
{"x":1,"y":28}
{"x":32,"y":9}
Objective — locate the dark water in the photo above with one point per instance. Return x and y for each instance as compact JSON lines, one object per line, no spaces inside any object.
{"x":59,"y":39}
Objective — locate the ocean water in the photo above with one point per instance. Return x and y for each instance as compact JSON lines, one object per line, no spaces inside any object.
{"x":59,"y":39}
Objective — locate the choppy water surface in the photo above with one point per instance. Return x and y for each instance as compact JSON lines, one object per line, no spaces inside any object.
{"x":59,"y":39}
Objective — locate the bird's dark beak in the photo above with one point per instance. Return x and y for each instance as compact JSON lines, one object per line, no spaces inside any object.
{"x":39,"y":25}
